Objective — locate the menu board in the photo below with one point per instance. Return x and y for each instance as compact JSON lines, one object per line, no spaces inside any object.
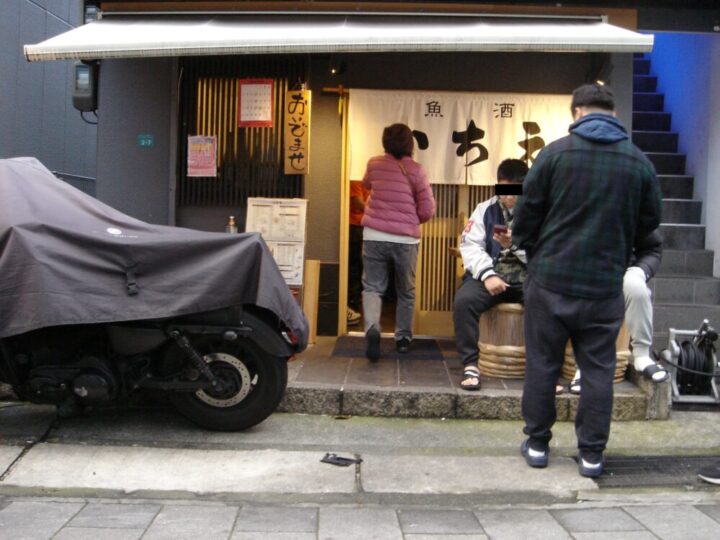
{"x":281,"y":222}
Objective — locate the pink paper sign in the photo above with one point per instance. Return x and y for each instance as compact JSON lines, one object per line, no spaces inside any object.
{"x":202,"y":155}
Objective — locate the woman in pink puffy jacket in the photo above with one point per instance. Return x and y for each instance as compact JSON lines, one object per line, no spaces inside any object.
{"x":400,"y":200}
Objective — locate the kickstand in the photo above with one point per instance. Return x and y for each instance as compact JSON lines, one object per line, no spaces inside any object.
{"x":334,"y":459}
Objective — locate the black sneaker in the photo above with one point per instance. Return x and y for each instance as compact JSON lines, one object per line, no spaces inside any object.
{"x":372,"y":337}
{"x":590,"y":466}
{"x":710,"y":474}
{"x":402,"y":345}
{"x":533,"y":457}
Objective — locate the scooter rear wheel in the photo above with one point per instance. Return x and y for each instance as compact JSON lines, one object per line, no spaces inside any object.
{"x":255,"y":383}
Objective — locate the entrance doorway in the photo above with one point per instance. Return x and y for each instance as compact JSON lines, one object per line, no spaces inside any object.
{"x":439,"y":268}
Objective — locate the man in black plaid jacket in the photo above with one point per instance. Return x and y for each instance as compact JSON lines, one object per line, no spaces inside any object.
{"x":589,"y":197}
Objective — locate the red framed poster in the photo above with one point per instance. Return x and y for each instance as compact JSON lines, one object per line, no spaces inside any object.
{"x":255,"y":102}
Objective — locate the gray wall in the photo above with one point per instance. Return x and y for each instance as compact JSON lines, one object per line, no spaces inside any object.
{"x":488,"y":72}
{"x":712,"y":195}
{"x":36,"y":112}
{"x":679,"y":19}
{"x":680,"y":62}
{"x":136,"y":98}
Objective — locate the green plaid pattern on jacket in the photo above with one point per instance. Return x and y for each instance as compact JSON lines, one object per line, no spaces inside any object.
{"x":584,"y":205}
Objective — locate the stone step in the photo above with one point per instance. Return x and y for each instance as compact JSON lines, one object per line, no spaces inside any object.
{"x":685,"y":290}
{"x":629,"y":402}
{"x":686,"y":262}
{"x":683,"y":316}
{"x":656,"y":141}
{"x":676,"y":186}
{"x":651,"y":121}
{"x":641,"y":66}
{"x":681,"y":211}
{"x":682,"y":236}
{"x":320,"y":383}
{"x":667,"y":163}
{"x":648,"y":101}
{"x":644,"y":83}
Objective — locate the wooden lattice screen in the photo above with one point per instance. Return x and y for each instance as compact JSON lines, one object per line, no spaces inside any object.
{"x":438,"y":268}
{"x":249,"y":159}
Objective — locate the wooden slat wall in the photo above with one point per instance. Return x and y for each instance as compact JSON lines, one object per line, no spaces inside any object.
{"x":478,"y":194}
{"x":249,"y":159}
{"x":438,"y":268}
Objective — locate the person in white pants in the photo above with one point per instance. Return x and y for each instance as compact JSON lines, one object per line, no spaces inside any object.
{"x":638,"y":310}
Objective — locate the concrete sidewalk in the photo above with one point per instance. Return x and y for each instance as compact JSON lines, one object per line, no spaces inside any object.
{"x":77,"y":518}
{"x":156,"y":453}
{"x":147,"y":473}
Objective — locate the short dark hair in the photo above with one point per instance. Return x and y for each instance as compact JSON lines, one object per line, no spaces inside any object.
{"x":594,"y":95}
{"x":398,"y":140}
{"x":513,"y":170}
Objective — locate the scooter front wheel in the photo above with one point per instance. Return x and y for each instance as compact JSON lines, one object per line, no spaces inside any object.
{"x":253,"y":384}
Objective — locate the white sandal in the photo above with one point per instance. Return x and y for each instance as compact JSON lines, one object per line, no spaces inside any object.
{"x":470,"y":373}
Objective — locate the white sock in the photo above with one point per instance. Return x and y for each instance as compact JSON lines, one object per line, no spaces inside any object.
{"x":641,"y":362}
{"x":641,"y":357}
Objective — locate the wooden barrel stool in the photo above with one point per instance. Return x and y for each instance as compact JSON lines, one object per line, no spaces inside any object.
{"x":623,"y":356}
{"x":502,"y":342}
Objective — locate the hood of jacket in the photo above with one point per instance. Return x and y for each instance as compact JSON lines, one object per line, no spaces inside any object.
{"x":598,"y":127}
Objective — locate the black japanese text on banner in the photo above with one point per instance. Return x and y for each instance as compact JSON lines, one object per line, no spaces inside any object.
{"x":460,"y":138}
{"x":297,"y":131}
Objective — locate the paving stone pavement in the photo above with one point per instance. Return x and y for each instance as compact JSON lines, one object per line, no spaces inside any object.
{"x":41,"y":518}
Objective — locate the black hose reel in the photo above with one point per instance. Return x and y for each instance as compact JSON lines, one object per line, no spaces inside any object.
{"x":693,"y":364}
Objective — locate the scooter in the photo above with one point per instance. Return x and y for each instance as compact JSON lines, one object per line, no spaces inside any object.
{"x":223,"y":370}
{"x":96,"y":305}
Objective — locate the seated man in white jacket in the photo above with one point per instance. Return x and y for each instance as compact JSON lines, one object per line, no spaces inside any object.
{"x":485,"y":246}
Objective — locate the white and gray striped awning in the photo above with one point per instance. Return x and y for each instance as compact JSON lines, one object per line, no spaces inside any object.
{"x":153,"y":36}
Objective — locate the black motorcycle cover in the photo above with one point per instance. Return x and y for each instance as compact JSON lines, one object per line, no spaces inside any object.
{"x":67,"y":258}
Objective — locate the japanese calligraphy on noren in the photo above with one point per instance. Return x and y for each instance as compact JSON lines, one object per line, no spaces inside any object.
{"x":531,"y":144}
{"x":421,"y":139}
{"x":255,"y":103}
{"x":297,"y":131}
{"x":460,"y":137}
{"x":503,"y":110}
{"x":433,"y":108}
{"x":466,"y":140}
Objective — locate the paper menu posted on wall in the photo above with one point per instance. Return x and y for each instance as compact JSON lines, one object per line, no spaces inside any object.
{"x":260,"y":217}
{"x":281,"y":222}
{"x":255,"y":102}
{"x":289,"y":258}
{"x":202,"y":156}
